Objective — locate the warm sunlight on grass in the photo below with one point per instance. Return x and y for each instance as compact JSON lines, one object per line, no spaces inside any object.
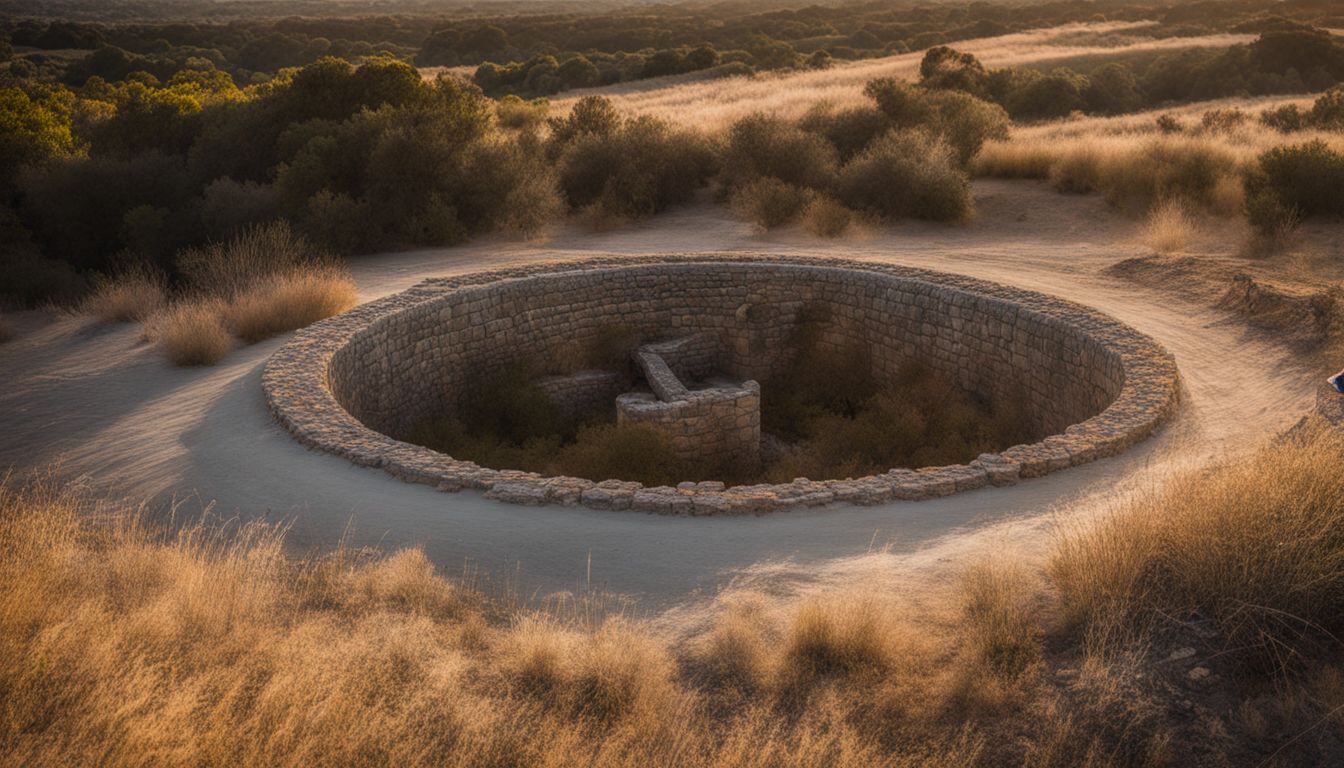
{"x":1255,"y":546}
{"x":135,"y":295}
{"x":288,"y":301}
{"x":213,"y":646}
{"x":191,"y":332}
{"x":1168,"y":228}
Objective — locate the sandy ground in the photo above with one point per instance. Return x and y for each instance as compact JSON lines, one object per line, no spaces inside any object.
{"x":102,"y":402}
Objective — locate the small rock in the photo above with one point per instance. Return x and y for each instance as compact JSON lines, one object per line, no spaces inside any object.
{"x":1198,"y":674}
{"x":1181,"y":653}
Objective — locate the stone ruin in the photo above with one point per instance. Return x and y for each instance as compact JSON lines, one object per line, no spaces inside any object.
{"x":354,"y":385}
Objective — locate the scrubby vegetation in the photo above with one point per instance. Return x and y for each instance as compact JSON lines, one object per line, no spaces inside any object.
{"x":1291,"y":182}
{"x":551,"y":47}
{"x":1285,"y":58}
{"x":263,"y":281}
{"x":234,"y":651}
{"x":1226,"y":165}
{"x":129,"y":155}
{"x":836,"y":419}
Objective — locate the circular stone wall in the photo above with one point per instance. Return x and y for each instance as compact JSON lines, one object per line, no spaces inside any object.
{"x":350,"y":384}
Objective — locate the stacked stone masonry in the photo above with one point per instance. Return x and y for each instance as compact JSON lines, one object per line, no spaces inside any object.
{"x":351,"y":384}
{"x":720,"y":424}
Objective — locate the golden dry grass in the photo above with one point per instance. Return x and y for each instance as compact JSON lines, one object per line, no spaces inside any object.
{"x":1133,"y":163}
{"x":715,"y":104}
{"x":1255,"y":546}
{"x":286,"y":301}
{"x":123,"y":643}
{"x":262,"y":282}
{"x":133,"y":296}
{"x":191,"y":331}
{"x":1169,"y":227}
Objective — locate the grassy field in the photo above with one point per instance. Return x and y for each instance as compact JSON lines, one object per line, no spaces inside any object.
{"x":124,"y":643}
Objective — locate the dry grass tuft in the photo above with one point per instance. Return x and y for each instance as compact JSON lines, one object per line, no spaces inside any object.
{"x":1256,"y":547}
{"x":836,"y":638}
{"x":287,"y":301}
{"x":824,"y":217}
{"x":1001,"y":631}
{"x":132,"y":296}
{"x":192,"y":332}
{"x":231,"y":267}
{"x":1169,"y":228}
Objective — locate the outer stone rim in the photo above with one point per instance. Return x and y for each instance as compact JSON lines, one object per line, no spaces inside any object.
{"x":298,"y":393}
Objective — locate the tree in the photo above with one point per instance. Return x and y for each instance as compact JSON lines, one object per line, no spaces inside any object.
{"x":578,"y":72}
{"x":944,"y":67}
{"x":1113,"y":89}
{"x":32,"y":131}
{"x":702,"y":56}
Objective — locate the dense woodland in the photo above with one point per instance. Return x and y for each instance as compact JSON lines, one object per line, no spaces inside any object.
{"x":126,"y":143}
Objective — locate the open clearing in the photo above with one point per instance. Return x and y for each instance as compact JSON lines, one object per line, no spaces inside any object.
{"x":103,"y":402}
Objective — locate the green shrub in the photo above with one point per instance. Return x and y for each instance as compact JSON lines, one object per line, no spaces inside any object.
{"x":638,"y":169}
{"x":848,"y":130}
{"x":1285,"y":119}
{"x":907,"y":174}
{"x":762,"y":145}
{"x":515,"y":114}
{"x":963,"y":121}
{"x":1327,"y":112}
{"x":1293,"y":182}
{"x":770,"y":203}
{"x":590,"y":115}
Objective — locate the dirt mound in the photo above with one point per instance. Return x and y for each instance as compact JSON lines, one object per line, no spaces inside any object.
{"x":1306,"y":314}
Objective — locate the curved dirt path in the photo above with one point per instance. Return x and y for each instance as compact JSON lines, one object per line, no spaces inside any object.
{"x":105,"y":404}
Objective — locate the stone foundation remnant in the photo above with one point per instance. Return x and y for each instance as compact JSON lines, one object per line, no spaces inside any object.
{"x":718,"y":423}
{"x":355,"y":384}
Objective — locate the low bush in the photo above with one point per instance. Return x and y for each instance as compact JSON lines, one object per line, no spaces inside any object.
{"x":518,"y":115}
{"x":1289,"y":183}
{"x":1285,"y":119}
{"x":824,"y":217}
{"x":1188,"y":170}
{"x":765,"y":146}
{"x":1327,"y":112}
{"x":229,"y":267}
{"x":192,"y":332}
{"x":133,"y":295}
{"x":849,"y":130}
{"x":907,"y":174}
{"x":288,"y":301}
{"x":639,"y":452}
{"x":770,"y":203}
{"x":1222,"y":120}
{"x":961,"y":120}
